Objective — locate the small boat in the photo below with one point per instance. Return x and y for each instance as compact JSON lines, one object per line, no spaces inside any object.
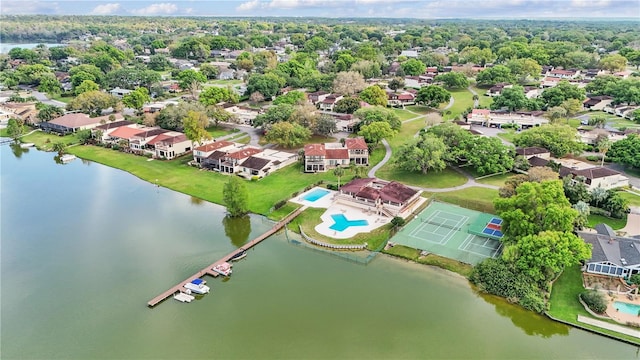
{"x":223,"y":269}
{"x":197,"y":286}
{"x":184,"y":296}
{"x":67,"y":158}
{"x":26,"y":145}
{"x":238,"y":256}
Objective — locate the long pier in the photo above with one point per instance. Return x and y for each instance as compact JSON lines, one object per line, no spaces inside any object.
{"x":207,"y":269}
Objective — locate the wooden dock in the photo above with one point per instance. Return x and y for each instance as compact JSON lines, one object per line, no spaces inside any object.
{"x":207,"y":270}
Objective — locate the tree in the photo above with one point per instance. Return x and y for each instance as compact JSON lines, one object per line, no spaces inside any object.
{"x":575,"y":190}
{"x":256,"y":97}
{"x":494,"y":75}
{"x":235,"y":197}
{"x":475,"y":55}
{"x":556,"y":113}
{"x":368,"y":115}
{"x":59,"y":147}
{"x":556,"y":95}
{"x":511,"y":98}
{"x":306,"y":115}
{"x":376,"y":131}
{"x":85,"y":86}
{"x":453,"y":80}
{"x":171,"y":117}
{"x":325,"y":125}
{"x":424,"y":154}
{"x":338,"y":172}
{"x":209,"y":71}
{"x":535,"y":207}
{"x":601,"y":84}
{"x":525,"y":68}
{"x":347,"y":105}
{"x":287,"y":134}
{"x":48,"y":112}
{"x":159,"y":63}
{"x":626,"y":151}
{"x":217,"y":114}
{"x":15,"y":129}
{"x":374,"y":95}
{"x":489,"y":155}
{"x":268,"y":84}
{"x":368,"y":69}
{"x":413,"y":67}
{"x":93,"y":102}
{"x":194,"y":126}
{"x":396,"y":83}
{"x":292,"y":98}
{"x":132,"y":77}
{"x":83,"y":72}
{"x":274,"y":114}
{"x":614,"y":62}
{"x":49,"y":84}
{"x":572,"y":106}
{"x":543,"y":255}
{"x":558,"y":139}
{"x":215,"y":95}
{"x":603,"y":144}
{"x":348,"y":83}
{"x":137,"y":98}
{"x":432,"y":96}
{"x":187,"y":79}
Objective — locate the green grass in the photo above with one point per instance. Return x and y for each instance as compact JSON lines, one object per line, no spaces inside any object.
{"x":497,"y":180}
{"x":634,"y":200}
{"x":507,"y":135}
{"x":281,"y":213}
{"x":616,"y":224}
{"x":407,"y":132}
{"x":223,"y":82}
{"x":404,"y":114}
{"x":484,"y":101}
{"x":444,"y":179}
{"x":475,"y":198}
{"x":218,"y":131}
{"x":614,"y":121}
{"x":59,"y":97}
{"x":376,"y":156}
{"x":422,"y":110}
{"x":309,"y":218}
{"x":431,"y":259}
{"x":463,"y":99}
{"x":206,"y":185}
{"x":4,"y":132}
{"x":44,"y":141}
{"x":564,"y":304}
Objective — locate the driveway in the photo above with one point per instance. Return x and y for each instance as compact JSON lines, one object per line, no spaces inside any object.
{"x":492,"y":132}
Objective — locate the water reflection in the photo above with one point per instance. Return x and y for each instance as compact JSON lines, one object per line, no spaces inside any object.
{"x":237,"y":229}
{"x":529,"y":322}
{"x":196,"y":201}
{"x":17,"y":150}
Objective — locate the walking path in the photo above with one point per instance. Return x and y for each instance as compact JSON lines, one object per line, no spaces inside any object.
{"x":608,"y":326}
{"x":477,"y":101}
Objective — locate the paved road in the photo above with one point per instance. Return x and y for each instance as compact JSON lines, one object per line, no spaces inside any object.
{"x":387,"y":156}
{"x":42,"y":97}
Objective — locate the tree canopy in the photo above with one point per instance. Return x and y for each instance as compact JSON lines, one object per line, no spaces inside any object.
{"x":432,"y":96}
{"x":374,"y":95}
{"x":425,"y":153}
{"x":560,"y":140}
{"x":287,"y":134}
{"x":235,"y":196}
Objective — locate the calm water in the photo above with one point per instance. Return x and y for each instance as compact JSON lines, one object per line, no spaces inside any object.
{"x":5,"y":47}
{"x":84,"y":247}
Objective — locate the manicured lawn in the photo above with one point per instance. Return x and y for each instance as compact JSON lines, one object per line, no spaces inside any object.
{"x":423,"y":110}
{"x":224,"y":82}
{"x":178,"y":176}
{"x":281,"y":213}
{"x":497,"y":180}
{"x":4,"y":132}
{"x":407,"y":132}
{"x":309,"y":218}
{"x":404,"y":114}
{"x":218,"y":131}
{"x":64,"y":99}
{"x":444,"y":179}
{"x":475,"y":198}
{"x":634,"y":200}
{"x":564,"y":304}
{"x":431,"y":259}
{"x":376,"y":156}
{"x":508,"y":135}
{"x":45,"y":141}
{"x":616,"y":224}
{"x":463,"y":99}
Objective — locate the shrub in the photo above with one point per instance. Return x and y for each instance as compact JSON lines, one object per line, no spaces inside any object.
{"x":635,"y":279}
{"x":295,"y":194}
{"x":255,"y":178}
{"x":595,"y":300}
{"x":593,"y":158}
{"x":279,"y":204}
{"x":397,"y":221}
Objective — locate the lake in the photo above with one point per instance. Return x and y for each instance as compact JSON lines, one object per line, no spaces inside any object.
{"x":5,"y":47}
{"x":85,"y":246}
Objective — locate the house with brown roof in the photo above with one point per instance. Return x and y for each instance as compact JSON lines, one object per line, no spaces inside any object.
{"x":317,"y":96}
{"x":322,"y":157}
{"x":401,"y":99}
{"x":169,"y":145}
{"x":123,"y":133}
{"x":106,"y":129}
{"x":594,"y":103}
{"x":564,"y":74}
{"x":70,"y":123}
{"x":265,"y":163}
{"x":203,"y":151}
{"x":524,"y":119}
{"x":595,"y":177}
{"x":26,"y":112}
{"x":329,"y":102}
{"x":388,"y":198}
{"x":138,"y":142}
{"x":529,"y":152}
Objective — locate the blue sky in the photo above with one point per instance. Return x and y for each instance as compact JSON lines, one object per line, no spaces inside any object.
{"x":335,"y":8}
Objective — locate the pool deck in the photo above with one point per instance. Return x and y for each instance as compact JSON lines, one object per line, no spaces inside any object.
{"x":323,"y":202}
{"x":620,"y":316}
{"x":375,"y":221}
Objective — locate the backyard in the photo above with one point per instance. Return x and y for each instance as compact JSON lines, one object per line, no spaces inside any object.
{"x":475,"y":198}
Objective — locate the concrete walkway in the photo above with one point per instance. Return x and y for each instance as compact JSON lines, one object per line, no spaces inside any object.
{"x":608,"y":326}
{"x":475,"y":102}
{"x":387,"y":156}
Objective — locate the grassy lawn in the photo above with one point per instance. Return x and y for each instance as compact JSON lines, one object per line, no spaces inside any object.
{"x":59,"y":97}
{"x":4,"y":132}
{"x":564,"y":301}
{"x":218,"y":131}
{"x":45,"y":141}
{"x":376,"y":156}
{"x":403,"y":114}
{"x":281,"y":213}
{"x":309,"y":218}
{"x":616,"y":224}
{"x":612,"y":120}
{"x":634,"y":200}
{"x":444,"y":179}
{"x":206,"y":185}
{"x":497,"y":180}
{"x":431,"y":259}
{"x":463,"y":99}
{"x":475,"y":198}
{"x":423,"y":110}
{"x":224,"y":82}
{"x":507,"y":135}
{"x":407,"y":131}
{"x":484,"y":101}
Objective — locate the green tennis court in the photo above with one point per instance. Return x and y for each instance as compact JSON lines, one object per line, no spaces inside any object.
{"x":444,"y":229}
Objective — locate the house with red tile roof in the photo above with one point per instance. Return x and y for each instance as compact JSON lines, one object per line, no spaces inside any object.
{"x":322,"y":157}
{"x":388,"y":198}
{"x":105,"y":130}
{"x":203,"y":151}
{"x":169,"y":145}
{"x":401,"y":99}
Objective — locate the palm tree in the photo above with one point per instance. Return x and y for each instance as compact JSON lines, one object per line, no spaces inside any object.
{"x":60,"y":147}
{"x":603,"y":145}
{"x":338,"y":171}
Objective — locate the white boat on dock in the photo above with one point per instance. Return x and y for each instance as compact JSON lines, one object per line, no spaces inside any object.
{"x":184,"y":296}
{"x":67,"y":158}
{"x":197,"y":286}
{"x":26,"y":145}
{"x":223,"y":269}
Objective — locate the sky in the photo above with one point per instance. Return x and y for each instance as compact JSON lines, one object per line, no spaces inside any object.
{"x":425,"y":9}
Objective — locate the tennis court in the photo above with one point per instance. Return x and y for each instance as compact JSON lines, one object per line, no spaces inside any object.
{"x":443,"y":229}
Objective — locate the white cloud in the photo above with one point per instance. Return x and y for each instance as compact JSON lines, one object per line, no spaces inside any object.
{"x":248,"y":6}
{"x":590,"y":3}
{"x":105,"y":9}
{"x":21,"y":7}
{"x":157,"y":9}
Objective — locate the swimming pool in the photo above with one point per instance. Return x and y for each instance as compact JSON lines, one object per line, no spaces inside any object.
{"x":341,"y":222}
{"x":315,"y":194}
{"x":627,"y":308}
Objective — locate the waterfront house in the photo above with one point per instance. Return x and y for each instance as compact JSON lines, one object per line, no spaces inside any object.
{"x":169,"y":145}
{"x":109,"y":128}
{"x":387,"y":198}
{"x":203,"y":151}
{"x":611,"y":255}
{"x":70,"y":123}
{"x":322,"y":157}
